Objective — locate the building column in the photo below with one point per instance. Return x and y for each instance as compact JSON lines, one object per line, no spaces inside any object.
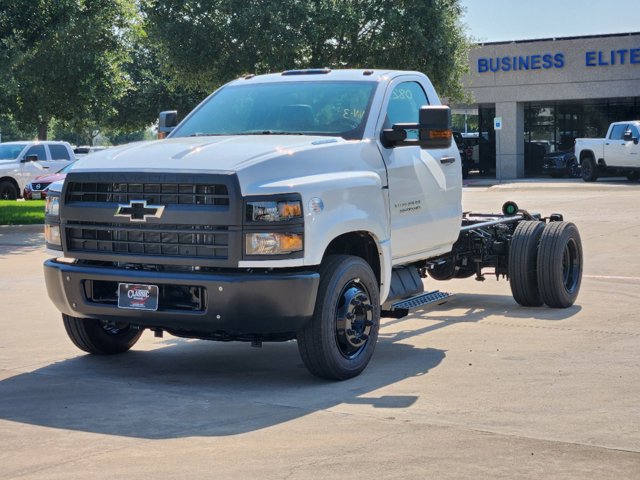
{"x":510,"y":141}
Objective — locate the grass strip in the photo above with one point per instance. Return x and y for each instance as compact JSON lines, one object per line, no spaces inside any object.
{"x":15,"y":212}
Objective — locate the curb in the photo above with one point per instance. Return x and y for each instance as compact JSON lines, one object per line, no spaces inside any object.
{"x":9,"y":229}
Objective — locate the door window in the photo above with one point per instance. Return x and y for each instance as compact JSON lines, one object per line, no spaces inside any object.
{"x":37,"y":150}
{"x":617,"y":132}
{"x":59,"y":152}
{"x":404,"y":106}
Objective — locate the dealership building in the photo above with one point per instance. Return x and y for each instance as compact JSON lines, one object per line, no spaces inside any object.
{"x":534,"y":97}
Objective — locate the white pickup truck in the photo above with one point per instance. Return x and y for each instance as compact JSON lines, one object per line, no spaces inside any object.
{"x":301,"y":205}
{"x":617,"y":154}
{"x":21,"y":162}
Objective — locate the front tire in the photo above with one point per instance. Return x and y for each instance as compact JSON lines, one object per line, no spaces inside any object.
{"x":560,"y":264}
{"x":98,"y":337}
{"x":8,"y":191}
{"x":339,"y":341}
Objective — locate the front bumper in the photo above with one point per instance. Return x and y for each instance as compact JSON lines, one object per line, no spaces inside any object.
{"x":235,"y":305}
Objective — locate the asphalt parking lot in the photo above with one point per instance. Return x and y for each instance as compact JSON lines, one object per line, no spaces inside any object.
{"x":479,"y":388}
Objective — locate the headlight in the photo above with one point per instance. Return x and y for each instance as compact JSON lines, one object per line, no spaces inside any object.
{"x":273,"y":211}
{"x":52,"y":235}
{"x":52,"y":206}
{"x":272,"y":243}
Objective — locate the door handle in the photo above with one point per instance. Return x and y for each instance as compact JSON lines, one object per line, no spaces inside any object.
{"x":447,"y":160}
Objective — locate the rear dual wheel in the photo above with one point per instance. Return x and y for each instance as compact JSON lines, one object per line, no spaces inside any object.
{"x":545,"y":264}
{"x":559,"y":264}
{"x":523,"y":269}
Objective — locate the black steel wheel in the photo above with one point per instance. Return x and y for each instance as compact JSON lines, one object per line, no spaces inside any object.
{"x":340,"y":339}
{"x":99,"y":337}
{"x":8,"y":190}
{"x":560,"y":264}
{"x":633,"y":176}
{"x":589,"y":169}
{"x":523,"y":257}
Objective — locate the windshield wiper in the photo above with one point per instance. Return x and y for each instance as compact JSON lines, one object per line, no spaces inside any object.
{"x":199,"y":134}
{"x":268,"y":132}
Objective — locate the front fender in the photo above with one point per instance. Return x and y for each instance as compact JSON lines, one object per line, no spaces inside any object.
{"x":353,"y":201}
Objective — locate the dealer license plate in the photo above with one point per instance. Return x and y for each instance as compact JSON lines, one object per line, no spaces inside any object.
{"x":36,"y":195}
{"x":134,"y":296}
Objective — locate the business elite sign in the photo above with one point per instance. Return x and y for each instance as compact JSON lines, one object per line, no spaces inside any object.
{"x":546,"y":61}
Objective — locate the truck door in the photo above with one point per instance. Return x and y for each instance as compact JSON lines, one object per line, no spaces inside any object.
{"x":614,"y":146}
{"x":31,"y":170}
{"x":60,"y":157}
{"x":631,"y":149}
{"x":424,"y":185}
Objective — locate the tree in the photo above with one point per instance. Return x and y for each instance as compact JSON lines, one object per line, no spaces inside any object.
{"x":204,"y":44}
{"x":150,"y":91}
{"x":63,"y":59}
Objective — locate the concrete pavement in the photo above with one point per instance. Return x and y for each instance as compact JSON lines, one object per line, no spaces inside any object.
{"x":480,"y":388}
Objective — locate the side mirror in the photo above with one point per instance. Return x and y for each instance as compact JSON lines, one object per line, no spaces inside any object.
{"x":167,"y":121}
{"x":30,"y":158}
{"x":435,"y":127}
{"x":434,"y":130}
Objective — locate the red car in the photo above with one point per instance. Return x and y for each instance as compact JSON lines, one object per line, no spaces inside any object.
{"x":36,"y":189}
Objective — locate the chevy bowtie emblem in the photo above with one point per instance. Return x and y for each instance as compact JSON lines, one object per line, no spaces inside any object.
{"x":139,"y":211}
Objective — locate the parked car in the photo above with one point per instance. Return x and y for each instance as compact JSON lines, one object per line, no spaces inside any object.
{"x":21,"y":162}
{"x":37,"y":188}
{"x":561,"y":164}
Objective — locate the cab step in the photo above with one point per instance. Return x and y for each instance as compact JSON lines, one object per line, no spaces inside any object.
{"x":401,"y":309}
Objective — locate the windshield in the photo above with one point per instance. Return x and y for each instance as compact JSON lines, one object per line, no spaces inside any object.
{"x":302,"y":108}
{"x":66,"y":169}
{"x":11,"y":152}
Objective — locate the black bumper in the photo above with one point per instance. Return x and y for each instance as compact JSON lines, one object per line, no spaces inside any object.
{"x":235,"y":304}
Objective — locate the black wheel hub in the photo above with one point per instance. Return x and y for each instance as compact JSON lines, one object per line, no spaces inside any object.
{"x":354,"y":319}
{"x":570,"y":266}
{"x":115,"y":328}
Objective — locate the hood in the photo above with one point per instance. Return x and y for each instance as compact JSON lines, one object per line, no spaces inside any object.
{"x":224,"y":153}
{"x":5,"y":161}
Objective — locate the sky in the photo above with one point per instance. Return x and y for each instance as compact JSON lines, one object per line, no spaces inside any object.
{"x":502,"y":20}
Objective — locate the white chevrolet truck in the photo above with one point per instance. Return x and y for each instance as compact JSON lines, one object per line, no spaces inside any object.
{"x":617,"y":154}
{"x":303,"y":205}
